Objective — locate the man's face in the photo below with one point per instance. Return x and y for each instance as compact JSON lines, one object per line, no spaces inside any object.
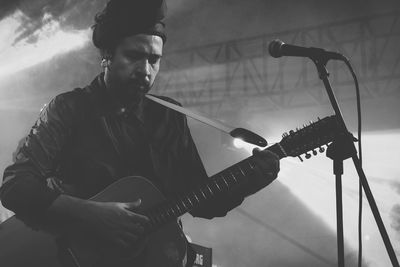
{"x":134,"y":66}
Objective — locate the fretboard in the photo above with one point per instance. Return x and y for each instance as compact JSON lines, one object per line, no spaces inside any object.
{"x":217,"y":185}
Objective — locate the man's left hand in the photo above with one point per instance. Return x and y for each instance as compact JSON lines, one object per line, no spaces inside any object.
{"x":267,"y":168}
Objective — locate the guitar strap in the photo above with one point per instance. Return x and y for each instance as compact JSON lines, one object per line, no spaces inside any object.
{"x":213,"y":123}
{"x":243,"y":134}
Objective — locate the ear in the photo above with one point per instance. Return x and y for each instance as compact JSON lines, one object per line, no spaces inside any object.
{"x":105,"y":63}
{"x":106,"y":59}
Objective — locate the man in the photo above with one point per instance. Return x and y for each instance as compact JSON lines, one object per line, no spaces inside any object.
{"x":88,"y":138}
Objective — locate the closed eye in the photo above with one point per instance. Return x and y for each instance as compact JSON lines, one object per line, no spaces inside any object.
{"x":152,"y":58}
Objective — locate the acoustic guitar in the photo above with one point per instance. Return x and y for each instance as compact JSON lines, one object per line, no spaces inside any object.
{"x":165,"y":244}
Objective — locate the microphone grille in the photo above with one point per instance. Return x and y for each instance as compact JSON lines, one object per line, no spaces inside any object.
{"x":274,"y":48}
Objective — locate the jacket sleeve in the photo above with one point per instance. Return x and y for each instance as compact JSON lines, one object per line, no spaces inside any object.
{"x":219,"y":206}
{"x":25,"y":190}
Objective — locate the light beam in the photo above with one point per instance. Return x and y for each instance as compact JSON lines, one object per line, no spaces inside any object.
{"x":51,"y":40}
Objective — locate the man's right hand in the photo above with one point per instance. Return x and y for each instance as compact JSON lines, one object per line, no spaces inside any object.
{"x":115,"y":222}
{"x":118,"y":223}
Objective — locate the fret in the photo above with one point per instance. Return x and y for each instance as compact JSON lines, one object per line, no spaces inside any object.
{"x":251,"y":165}
{"x":209,"y":189}
{"x":167,"y":211}
{"x":240,"y":169}
{"x":216,"y":183}
{"x":189,"y":201}
{"x":237,"y":175}
{"x":183,"y":202}
{"x":198,"y":200}
{"x":167,"y":214}
{"x":172,"y":211}
{"x":247,"y":167}
{"x":233,"y":176}
{"x":179,"y":209}
{"x":230,"y":178}
{"x":176,"y":212}
{"x":223,"y":179}
{"x":204,"y":195}
{"x":188,"y":198}
{"x":222,"y":182}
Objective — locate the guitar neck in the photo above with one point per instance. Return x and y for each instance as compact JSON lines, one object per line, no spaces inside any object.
{"x":292,"y":144}
{"x":217,"y":185}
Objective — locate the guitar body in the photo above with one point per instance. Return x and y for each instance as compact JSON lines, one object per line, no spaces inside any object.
{"x":165,"y":246}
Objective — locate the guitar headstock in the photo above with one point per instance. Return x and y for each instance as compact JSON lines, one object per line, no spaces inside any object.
{"x":309,"y":138}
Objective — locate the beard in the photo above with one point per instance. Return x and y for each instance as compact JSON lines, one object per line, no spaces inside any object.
{"x":132,"y":91}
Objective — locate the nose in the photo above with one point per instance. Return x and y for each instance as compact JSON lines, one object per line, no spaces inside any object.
{"x":143,"y":69}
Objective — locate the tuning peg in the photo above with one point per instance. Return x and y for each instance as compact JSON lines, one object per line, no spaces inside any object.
{"x":314,"y":152}
{"x":291,"y":132}
{"x":308,"y":155}
{"x":285,"y":134}
{"x":321,"y":149}
{"x":300,"y":158}
{"x":310,"y":122}
{"x":319,"y":118}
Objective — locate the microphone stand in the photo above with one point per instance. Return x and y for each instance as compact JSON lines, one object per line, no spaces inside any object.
{"x":340,"y":149}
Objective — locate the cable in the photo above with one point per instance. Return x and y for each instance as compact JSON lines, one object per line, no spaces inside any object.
{"x":360,"y":194}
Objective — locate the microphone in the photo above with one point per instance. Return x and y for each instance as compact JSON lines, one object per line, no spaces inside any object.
{"x":277,"y":48}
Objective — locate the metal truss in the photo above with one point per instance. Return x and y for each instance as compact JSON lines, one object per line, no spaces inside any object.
{"x":241,"y":71}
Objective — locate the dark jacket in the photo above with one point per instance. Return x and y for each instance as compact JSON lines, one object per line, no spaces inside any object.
{"x":83,"y":142}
